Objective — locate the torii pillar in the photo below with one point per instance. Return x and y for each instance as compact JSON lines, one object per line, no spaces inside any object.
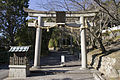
{"x":83,"y":43}
{"x":38,"y":45}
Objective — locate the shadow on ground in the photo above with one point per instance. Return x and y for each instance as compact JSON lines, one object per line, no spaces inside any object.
{"x":63,"y":79}
{"x":43,"y":73}
{"x":3,"y":66}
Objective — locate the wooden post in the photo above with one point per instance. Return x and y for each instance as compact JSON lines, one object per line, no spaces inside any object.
{"x":38,"y":45}
{"x":83,"y":43}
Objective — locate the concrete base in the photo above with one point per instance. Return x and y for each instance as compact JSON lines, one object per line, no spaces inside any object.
{"x":63,"y":65}
{"x":83,"y":68}
{"x":18,"y":71}
{"x":36,"y":67}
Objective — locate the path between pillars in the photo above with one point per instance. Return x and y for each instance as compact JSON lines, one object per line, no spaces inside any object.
{"x":51,"y":69}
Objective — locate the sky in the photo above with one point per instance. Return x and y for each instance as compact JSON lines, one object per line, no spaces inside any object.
{"x":34,"y":4}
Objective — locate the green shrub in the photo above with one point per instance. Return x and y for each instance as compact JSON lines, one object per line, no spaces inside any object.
{"x":53,"y":43}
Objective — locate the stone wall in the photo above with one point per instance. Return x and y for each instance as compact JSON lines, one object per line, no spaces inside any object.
{"x":108,"y":64}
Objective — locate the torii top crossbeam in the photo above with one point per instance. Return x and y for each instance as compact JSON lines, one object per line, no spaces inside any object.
{"x":35,"y":13}
{"x":59,"y":18}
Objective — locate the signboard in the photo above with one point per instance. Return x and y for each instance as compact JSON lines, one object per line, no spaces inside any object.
{"x":60,"y":16}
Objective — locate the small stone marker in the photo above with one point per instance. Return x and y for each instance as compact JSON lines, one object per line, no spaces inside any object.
{"x":62,"y":60}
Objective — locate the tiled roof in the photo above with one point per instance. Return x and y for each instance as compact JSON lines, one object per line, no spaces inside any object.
{"x":19,"y":48}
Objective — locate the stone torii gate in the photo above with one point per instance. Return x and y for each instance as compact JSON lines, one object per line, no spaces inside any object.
{"x":67,"y":14}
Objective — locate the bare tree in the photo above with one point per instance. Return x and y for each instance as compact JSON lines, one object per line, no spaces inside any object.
{"x":100,"y":22}
{"x":109,"y":13}
{"x":111,"y":8}
{"x":65,"y":5}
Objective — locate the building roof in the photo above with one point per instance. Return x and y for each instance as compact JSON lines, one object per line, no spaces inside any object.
{"x":19,"y":48}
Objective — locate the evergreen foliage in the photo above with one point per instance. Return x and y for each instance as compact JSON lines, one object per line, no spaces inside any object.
{"x":12,"y":19}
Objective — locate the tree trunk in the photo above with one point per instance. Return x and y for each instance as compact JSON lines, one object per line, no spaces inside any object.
{"x":101,"y":45}
{"x":12,"y":41}
{"x":93,"y":44}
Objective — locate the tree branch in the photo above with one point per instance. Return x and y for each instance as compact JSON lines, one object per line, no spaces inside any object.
{"x":106,"y":10}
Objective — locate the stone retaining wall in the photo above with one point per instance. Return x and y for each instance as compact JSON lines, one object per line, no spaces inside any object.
{"x":109,"y":65}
